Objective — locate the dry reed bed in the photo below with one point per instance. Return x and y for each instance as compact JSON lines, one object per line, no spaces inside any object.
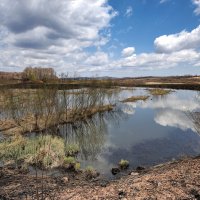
{"x":135,"y":98}
{"x":27,"y":124}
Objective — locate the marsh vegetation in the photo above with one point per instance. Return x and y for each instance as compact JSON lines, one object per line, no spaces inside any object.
{"x":135,"y":98}
{"x":159,"y":92}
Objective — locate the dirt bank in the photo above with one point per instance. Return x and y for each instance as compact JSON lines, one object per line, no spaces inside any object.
{"x":175,"y":180}
{"x":178,"y":180}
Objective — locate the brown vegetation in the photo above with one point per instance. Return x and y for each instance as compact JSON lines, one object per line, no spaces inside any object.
{"x":38,"y":73}
{"x":37,"y":110}
{"x":135,"y":98}
{"x":159,"y":92}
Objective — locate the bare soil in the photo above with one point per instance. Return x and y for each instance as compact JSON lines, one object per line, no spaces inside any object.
{"x":174,"y":180}
{"x":178,"y":180}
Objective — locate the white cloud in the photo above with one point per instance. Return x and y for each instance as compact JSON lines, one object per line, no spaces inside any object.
{"x":197,"y":4}
{"x":179,"y":41}
{"x":56,"y":33}
{"x":99,"y":58}
{"x":173,"y":51}
{"x":51,"y":32}
{"x":128,"y":51}
{"x":160,"y":61}
{"x":129,"y":11}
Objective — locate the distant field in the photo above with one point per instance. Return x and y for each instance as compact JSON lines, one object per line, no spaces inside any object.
{"x":175,"y":82}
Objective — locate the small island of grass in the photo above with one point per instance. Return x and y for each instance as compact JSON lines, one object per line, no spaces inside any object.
{"x":135,"y":98}
{"x":159,"y":92}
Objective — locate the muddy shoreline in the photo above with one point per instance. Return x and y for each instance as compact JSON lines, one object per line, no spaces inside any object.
{"x":172,"y":180}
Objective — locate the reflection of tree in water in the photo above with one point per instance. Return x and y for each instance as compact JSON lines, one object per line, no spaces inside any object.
{"x":90,"y":133}
{"x":195,"y":117}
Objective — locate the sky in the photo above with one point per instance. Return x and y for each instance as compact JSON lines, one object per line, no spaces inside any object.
{"x":117,"y":38}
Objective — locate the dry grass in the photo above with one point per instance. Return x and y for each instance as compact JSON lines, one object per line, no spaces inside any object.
{"x":27,"y":124}
{"x":159,"y":92}
{"x":135,"y":98}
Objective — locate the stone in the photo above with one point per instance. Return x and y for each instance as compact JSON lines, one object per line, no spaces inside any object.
{"x":140,"y":168}
{"x":134,"y":173}
{"x":65,"y":179}
{"x":115,"y":170}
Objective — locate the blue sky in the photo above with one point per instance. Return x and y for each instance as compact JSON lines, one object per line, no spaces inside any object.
{"x":101,"y":38}
{"x":151,"y":19}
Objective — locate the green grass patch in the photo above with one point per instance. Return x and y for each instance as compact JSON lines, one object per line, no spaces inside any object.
{"x":72,"y":150}
{"x":42,"y":151}
{"x":124,"y":164}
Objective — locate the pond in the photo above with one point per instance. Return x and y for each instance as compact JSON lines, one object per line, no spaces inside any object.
{"x":144,"y":132}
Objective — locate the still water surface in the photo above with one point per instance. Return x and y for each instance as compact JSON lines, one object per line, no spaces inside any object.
{"x":144,"y":132}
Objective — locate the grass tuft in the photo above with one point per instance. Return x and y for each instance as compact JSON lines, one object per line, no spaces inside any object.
{"x":124,"y":164}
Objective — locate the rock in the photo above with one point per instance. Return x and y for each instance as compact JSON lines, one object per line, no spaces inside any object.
{"x":140,"y":168}
{"x":195,"y":194}
{"x":115,"y":170}
{"x":121,"y":193}
{"x":65,"y":180}
{"x":104,"y":183}
{"x":134,"y":173}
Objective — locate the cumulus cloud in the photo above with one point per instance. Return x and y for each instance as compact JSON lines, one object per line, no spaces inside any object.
{"x":160,"y":61}
{"x":60,"y":33}
{"x":197,"y":4}
{"x":128,"y":51}
{"x":99,"y":58}
{"x":53,"y":29}
{"x":179,"y":41}
{"x":129,"y":11}
{"x":181,"y":49}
